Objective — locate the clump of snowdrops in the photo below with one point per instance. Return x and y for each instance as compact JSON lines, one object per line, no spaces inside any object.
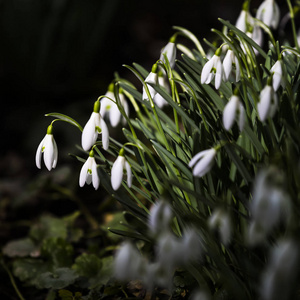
{"x":210,"y":170}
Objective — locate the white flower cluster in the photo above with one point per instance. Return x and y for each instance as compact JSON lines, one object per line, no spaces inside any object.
{"x":170,"y":251}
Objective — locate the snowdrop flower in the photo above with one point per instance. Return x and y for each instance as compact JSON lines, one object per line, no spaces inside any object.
{"x":267,"y":104}
{"x":89,"y":172}
{"x":277,"y":78}
{"x":158,"y":99}
{"x":151,"y":78}
{"x":232,"y":111}
{"x":191,"y":245}
{"x":117,"y":171}
{"x":127,"y":262}
{"x":269,"y":13}
{"x":230,"y":61}
{"x":279,"y":276}
{"x":93,"y":127}
{"x":160,"y":217}
{"x":170,"y":51}
{"x":203,"y":162}
{"x":220,"y":220}
{"x":47,"y":147}
{"x":213,"y":68}
{"x":110,"y":108}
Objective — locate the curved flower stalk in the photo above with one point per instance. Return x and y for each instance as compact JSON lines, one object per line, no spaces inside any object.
{"x":89,"y":173}
{"x":92,"y":128}
{"x":213,"y":69}
{"x":158,"y":99}
{"x":110,"y":108}
{"x":232,"y":111}
{"x":170,"y":51}
{"x":230,"y":63}
{"x":277,"y":78}
{"x":203,"y":162}
{"x":268,"y":102}
{"x":269,"y":13}
{"x":151,"y":78}
{"x":117,"y":171}
{"x":47,"y":147}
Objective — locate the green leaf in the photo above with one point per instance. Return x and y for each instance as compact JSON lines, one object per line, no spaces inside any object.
{"x":87,"y":265}
{"x":20,"y":248}
{"x":60,"y":278}
{"x":65,"y":118}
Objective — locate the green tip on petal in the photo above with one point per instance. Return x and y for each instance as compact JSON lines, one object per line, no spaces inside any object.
{"x":121,"y":153}
{"x":111,"y":87}
{"x":154,"y":68}
{"x":246,"y":5}
{"x":97,"y":106}
{"x":236,"y":92}
{"x":270,"y":79}
{"x":92,"y":153}
{"x":218,"y":51}
{"x":173,"y":38}
{"x":49,"y":129}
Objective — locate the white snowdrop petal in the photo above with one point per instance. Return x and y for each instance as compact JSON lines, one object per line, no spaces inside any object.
{"x":197,"y":157}
{"x":38,"y":155}
{"x":263,"y":105}
{"x":227,"y":64}
{"x":89,"y":133}
{"x":114,"y":115}
{"x":117,"y":172}
{"x":129,"y":174}
{"x":205,"y":164}
{"x":229,"y":112}
{"x":206,"y":71}
{"x":105,"y":134}
{"x":55,"y":154}
{"x":95,"y":176}
{"x":242,"y":117}
{"x":49,"y":151}
{"x":83,"y":172}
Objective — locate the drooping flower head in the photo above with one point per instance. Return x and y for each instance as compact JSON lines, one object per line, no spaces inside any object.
{"x":277,"y":78}
{"x":268,"y":102}
{"x":213,"y":69}
{"x":92,"y":128}
{"x":202,"y":162}
{"x":110,"y":108}
{"x":47,"y":147}
{"x":234,"y":110}
{"x":170,"y":51}
{"x":151,"y":78}
{"x":269,"y":13}
{"x":89,"y":172}
{"x":117,"y":171}
{"x":158,"y":98}
{"x":230,"y":63}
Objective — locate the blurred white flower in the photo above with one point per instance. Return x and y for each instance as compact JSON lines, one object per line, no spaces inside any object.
{"x":202,"y":162}
{"x":220,"y":221}
{"x":89,"y":172}
{"x":277,"y":78}
{"x":47,"y":147}
{"x":269,"y":13}
{"x":92,"y":128}
{"x":267,"y":104}
{"x":111,"y":109}
{"x":170,"y":51}
{"x":213,"y":69}
{"x":279,"y":277}
{"x":232,"y":111}
{"x":229,"y":63}
{"x":127,"y":262}
{"x":117,"y":171}
{"x":151,"y":78}
{"x":160,"y":217}
{"x":190,"y":245}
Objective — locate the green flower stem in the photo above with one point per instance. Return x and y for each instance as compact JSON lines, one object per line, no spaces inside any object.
{"x":292,"y":15}
{"x":12,"y":280}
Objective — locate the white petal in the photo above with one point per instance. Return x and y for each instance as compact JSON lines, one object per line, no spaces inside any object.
{"x":170,"y":51}
{"x":159,"y":100}
{"x":95,"y":176}
{"x":263,"y":105}
{"x":114,"y":115}
{"x":38,"y":155}
{"x":89,"y":133}
{"x":129,"y":174}
{"x":237,"y":70}
{"x":151,"y":78}
{"x":242,"y":117}
{"x":241,"y":21}
{"x":105,"y":135}
{"x":276,"y":16}
{"x":105,"y":104}
{"x":205,"y":164}
{"x":117,"y":172}
{"x":84,"y":172}
{"x":230,"y":111}
{"x":49,"y":151}
{"x":219,"y":73}
{"x":227,"y":64}
{"x":206,"y":71}
{"x":197,"y":157}
{"x":55,"y":154}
